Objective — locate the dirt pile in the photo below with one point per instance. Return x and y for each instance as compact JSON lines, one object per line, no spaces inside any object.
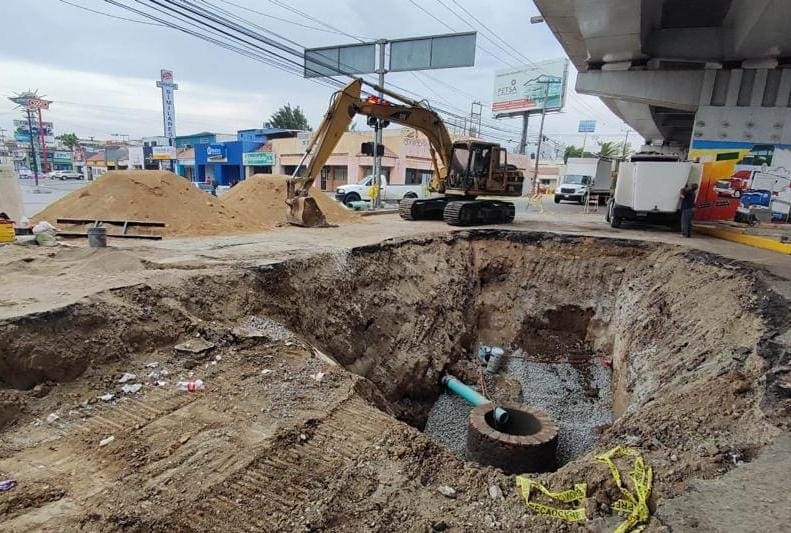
{"x":262,"y":199}
{"x":150,"y":195}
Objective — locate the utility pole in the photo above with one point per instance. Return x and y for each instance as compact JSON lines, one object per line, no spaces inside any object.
{"x":377,"y":203}
{"x":541,"y":130}
{"x":523,"y":140}
{"x":32,"y":145}
{"x":623,"y":152}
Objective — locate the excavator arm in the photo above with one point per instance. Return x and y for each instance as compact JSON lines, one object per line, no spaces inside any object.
{"x":303,"y":210}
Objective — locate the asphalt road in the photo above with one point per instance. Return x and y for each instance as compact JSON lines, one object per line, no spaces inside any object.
{"x":34,"y":199}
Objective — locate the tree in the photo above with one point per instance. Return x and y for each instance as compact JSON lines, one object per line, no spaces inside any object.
{"x":289,"y":118}
{"x":609,"y":150}
{"x":69,"y":140}
{"x":572,"y":151}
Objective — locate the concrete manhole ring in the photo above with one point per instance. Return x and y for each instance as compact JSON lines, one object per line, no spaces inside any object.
{"x":527,"y":445}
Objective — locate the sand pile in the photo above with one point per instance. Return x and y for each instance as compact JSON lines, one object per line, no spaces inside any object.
{"x":262,"y":198}
{"x":150,"y":195}
{"x":10,"y":193}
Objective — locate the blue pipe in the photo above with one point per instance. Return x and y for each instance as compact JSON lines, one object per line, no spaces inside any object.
{"x":475,"y":398}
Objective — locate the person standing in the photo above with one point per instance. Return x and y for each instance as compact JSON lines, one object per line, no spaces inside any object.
{"x":687,"y":196}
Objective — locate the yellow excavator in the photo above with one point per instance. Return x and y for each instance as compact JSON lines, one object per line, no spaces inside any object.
{"x":463,"y":170}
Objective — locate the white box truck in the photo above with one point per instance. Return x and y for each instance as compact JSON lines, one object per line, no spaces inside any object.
{"x":648,"y":191}
{"x":584,"y":175}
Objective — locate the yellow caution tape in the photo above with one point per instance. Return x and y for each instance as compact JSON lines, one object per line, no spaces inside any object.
{"x":575,"y":495}
{"x":633,"y":505}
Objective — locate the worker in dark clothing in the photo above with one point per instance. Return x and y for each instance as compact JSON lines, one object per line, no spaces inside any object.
{"x":687,"y":196}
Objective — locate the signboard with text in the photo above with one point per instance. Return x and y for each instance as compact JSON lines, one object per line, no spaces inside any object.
{"x":163,"y":153}
{"x":530,"y":88}
{"x":260,"y":159}
{"x":216,"y":153}
{"x":168,"y":108}
{"x":587,"y":126}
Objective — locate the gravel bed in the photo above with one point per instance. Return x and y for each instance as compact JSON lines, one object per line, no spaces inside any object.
{"x":559,"y":389}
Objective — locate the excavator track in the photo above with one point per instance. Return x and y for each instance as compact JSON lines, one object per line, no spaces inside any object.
{"x":422,"y":208}
{"x":478,"y":212}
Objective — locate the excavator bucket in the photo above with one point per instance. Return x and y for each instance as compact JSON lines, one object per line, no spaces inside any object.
{"x":301,"y":209}
{"x":304,"y":211}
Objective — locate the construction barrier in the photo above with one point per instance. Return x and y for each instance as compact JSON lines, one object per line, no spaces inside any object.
{"x":575,"y":496}
{"x":633,"y":505}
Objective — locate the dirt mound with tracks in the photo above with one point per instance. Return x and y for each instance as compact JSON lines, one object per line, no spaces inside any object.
{"x":149,"y":195}
{"x":301,"y":425}
{"x":262,"y":198}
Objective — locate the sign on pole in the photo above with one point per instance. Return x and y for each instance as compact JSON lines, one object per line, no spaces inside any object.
{"x":525,"y":89}
{"x":168,"y":107}
{"x":339,"y":60}
{"x":586,"y":126}
{"x":434,"y":51}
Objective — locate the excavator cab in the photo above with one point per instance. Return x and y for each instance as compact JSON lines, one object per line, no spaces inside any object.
{"x":476,"y":168}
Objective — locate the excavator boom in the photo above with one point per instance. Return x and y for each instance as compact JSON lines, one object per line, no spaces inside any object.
{"x":303,"y":210}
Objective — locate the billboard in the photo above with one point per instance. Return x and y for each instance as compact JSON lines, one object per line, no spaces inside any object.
{"x":530,"y":88}
{"x":163,"y":153}
{"x":335,"y":60}
{"x":434,"y":51}
{"x":586,"y":126}
{"x":22,"y":131}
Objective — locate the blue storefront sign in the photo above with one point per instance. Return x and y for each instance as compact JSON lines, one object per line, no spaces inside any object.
{"x":216,"y":153}
{"x":587,"y":126}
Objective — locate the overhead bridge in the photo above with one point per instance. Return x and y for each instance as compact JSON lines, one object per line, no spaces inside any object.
{"x":678,"y":71}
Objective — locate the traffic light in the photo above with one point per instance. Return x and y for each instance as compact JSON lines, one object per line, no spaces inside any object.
{"x":368,"y":149}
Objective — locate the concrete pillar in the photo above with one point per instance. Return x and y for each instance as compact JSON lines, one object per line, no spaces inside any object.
{"x":784,"y":90}
{"x":707,"y":88}
{"x":734,"y":84}
{"x":759,"y":86}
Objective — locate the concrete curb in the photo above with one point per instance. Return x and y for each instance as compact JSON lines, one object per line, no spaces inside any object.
{"x":750,"y":240}
{"x":377,"y":212}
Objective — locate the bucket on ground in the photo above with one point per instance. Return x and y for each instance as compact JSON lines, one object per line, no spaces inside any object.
{"x":97,"y":237}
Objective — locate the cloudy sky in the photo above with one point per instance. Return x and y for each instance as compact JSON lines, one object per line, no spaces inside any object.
{"x":101,"y":71}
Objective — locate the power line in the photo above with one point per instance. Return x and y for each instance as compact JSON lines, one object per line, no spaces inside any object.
{"x":281,"y":19}
{"x":313,"y":19}
{"x":108,"y":14}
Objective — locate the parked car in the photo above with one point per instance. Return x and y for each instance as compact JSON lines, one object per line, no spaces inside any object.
{"x":354,"y":192}
{"x":64,"y":175}
{"x":25,"y":173}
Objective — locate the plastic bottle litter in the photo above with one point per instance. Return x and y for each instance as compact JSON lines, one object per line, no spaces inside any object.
{"x":126,"y":377}
{"x":191,"y":386}
{"x":131,"y":389}
{"x":108,"y":440}
{"x":7,"y":484}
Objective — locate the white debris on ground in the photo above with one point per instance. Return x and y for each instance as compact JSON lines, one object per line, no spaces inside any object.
{"x":261,"y":326}
{"x":561,"y":390}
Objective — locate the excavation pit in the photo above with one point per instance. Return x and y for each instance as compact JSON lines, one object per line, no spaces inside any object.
{"x":654,"y":346}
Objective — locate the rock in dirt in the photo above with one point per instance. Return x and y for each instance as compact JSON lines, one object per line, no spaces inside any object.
{"x":447,"y":491}
{"x":106,"y":441}
{"x":194,"y":346}
{"x":248,"y":332}
{"x":495,"y":492}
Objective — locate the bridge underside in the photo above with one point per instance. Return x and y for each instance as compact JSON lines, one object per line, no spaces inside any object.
{"x":677,"y":71}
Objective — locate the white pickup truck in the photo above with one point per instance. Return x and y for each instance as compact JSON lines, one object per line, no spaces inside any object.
{"x":354,"y":192}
